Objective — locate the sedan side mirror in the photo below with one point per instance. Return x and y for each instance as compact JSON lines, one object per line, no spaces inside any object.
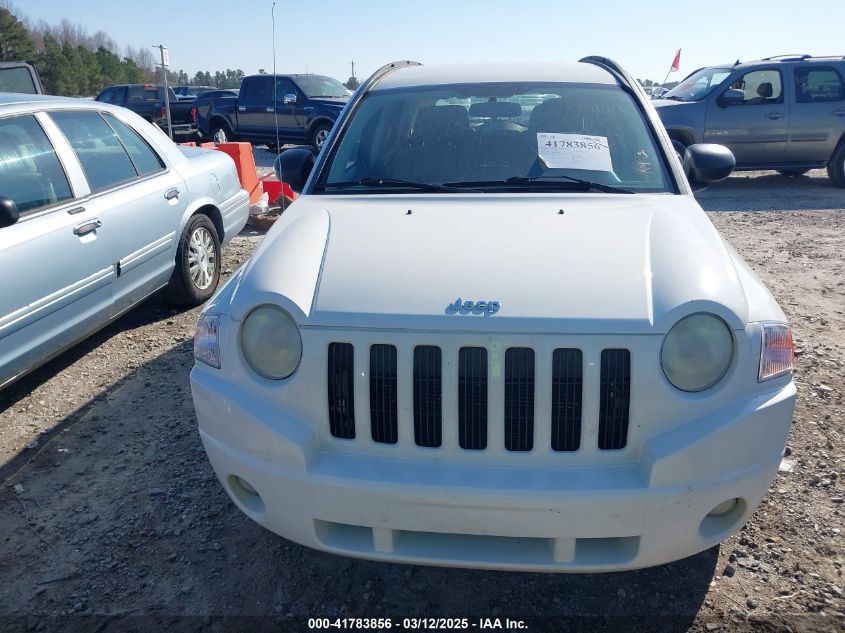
{"x":289,"y":98}
{"x":293,"y":166}
{"x":706,"y":162}
{"x":8,"y":212}
{"x":731,"y":97}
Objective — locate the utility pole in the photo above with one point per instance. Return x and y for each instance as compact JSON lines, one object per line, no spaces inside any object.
{"x":165,"y":60}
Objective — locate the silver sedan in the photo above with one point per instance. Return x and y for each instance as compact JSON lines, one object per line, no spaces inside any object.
{"x":99,"y":210}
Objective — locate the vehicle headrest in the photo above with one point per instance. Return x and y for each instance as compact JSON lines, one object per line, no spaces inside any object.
{"x":440,"y":121}
{"x":765,"y":90}
{"x":495,"y":110}
{"x":557,"y":115}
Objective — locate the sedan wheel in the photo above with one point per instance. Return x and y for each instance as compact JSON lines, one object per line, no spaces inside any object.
{"x":202,"y":258}
{"x":197,"y":271}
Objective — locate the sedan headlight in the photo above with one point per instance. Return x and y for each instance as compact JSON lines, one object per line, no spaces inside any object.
{"x":270,"y":342}
{"x":697,"y":352}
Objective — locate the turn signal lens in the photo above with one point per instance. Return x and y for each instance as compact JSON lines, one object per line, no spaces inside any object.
{"x":207,"y":341}
{"x":778,"y":353}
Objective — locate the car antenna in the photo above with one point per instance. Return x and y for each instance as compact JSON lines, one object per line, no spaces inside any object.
{"x":275,"y":83}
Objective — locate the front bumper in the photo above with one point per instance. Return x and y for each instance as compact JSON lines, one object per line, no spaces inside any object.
{"x":601,"y":517}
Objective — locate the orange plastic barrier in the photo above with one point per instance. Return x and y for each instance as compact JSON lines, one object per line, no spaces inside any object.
{"x":241,"y":153}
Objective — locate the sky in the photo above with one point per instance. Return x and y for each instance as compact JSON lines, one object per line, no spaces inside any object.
{"x":325,"y":36}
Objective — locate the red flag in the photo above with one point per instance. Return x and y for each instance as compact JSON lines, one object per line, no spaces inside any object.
{"x":677,"y":63}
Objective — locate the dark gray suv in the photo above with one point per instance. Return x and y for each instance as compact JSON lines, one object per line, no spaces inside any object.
{"x":785,"y":113}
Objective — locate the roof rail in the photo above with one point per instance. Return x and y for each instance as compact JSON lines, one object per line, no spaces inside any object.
{"x":614,"y":69}
{"x":373,"y":79}
{"x":791,"y":57}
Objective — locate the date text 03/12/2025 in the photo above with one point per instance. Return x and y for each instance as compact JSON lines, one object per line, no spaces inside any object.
{"x":417,"y":624}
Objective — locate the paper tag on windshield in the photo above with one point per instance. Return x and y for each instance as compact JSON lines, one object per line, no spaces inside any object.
{"x":574,"y":151}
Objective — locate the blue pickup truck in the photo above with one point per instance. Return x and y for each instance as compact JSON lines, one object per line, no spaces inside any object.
{"x":306,"y":107}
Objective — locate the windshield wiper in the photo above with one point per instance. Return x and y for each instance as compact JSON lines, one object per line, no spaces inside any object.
{"x":589,"y":184}
{"x":672,"y":97}
{"x":395,"y":182}
{"x":576,"y":184}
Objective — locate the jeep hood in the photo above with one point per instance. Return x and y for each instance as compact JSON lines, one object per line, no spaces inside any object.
{"x":586,"y":263}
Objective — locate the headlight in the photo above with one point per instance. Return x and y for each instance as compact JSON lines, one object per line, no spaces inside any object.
{"x":207,"y":341}
{"x":270,"y":342}
{"x":697,"y":352}
{"x":777,"y":353}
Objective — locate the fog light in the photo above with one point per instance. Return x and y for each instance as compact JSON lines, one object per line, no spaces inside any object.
{"x":724,"y":508}
{"x":243,"y":483}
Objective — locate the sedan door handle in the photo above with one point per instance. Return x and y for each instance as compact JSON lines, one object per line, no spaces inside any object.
{"x":241,"y":108}
{"x":775,"y":115}
{"x":87,"y":227}
{"x":838,"y":112}
{"x":171,"y":193}
{"x":268,"y":109}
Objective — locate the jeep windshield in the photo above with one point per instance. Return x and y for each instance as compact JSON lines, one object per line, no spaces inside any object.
{"x":698,"y":85}
{"x":496,"y":137}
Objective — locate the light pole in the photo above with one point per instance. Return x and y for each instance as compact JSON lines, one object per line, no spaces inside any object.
{"x":165,"y":59}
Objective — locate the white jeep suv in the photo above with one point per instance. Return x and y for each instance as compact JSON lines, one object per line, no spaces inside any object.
{"x":494,"y":336}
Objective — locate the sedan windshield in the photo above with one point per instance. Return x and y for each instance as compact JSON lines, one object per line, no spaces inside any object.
{"x":496,"y":137}
{"x":698,"y":85}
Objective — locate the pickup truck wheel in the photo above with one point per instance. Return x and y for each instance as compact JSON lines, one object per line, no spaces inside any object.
{"x":319,"y":135}
{"x":792,"y":172}
{"x":197,"y":270}
{"x":836,"y":166}
{"x":220,"y":133}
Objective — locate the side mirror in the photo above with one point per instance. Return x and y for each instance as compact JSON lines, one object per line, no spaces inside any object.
{"x":731,"y":97}
{"x":289,"y":98}
{"x":293,"y":166}
{"x":8,"y":212}
{"x":706,"y":162}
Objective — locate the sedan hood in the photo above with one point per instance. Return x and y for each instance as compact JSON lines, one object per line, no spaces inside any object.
{"x":579,"y":263}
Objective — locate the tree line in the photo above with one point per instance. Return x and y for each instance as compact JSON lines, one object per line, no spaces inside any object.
{"x":73,"y":62}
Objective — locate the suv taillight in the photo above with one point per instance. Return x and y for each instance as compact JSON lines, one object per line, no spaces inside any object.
{"x":194,"y":114}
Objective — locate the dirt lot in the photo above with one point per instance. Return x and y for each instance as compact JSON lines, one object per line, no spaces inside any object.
{"x":111,"y":518}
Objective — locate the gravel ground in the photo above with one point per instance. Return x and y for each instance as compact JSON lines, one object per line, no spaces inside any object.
{"x":111,"y":518}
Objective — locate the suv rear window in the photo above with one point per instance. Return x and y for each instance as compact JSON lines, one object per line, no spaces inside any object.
{"x":814,"y":85}
{"x":17,"y":79}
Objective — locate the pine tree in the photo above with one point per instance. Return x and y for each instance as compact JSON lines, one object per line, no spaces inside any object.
{"x":132,"y":73}
{"x":111,"y":69}
{"x":15,"y":42}
{"x":91,"y":79}
{"x":53,"y":68}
